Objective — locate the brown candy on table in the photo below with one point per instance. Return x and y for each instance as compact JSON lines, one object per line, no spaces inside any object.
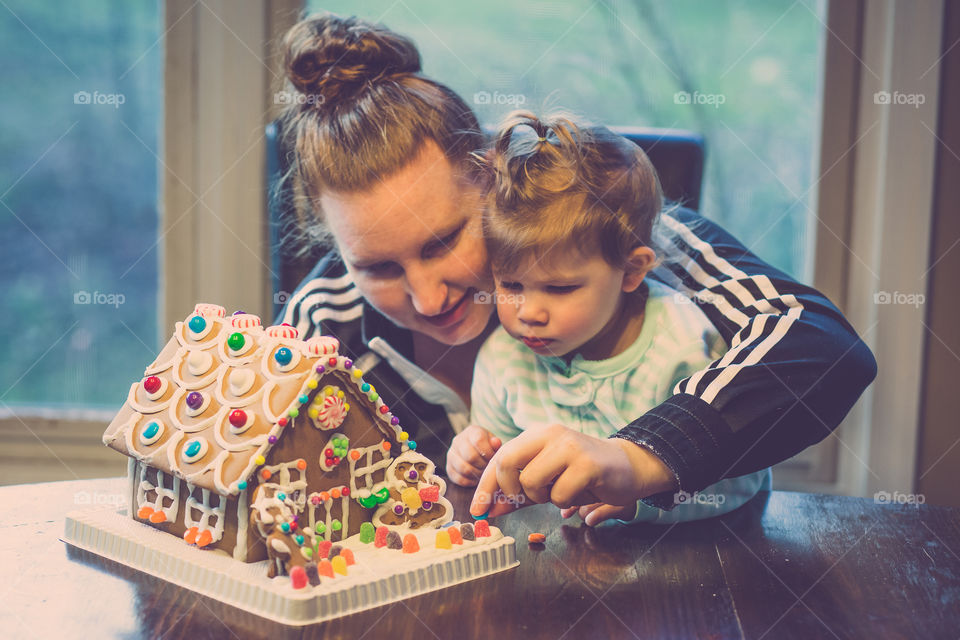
{"x":312,"y":575}
{"x":394,"y":541}
{"x":466,"y":531}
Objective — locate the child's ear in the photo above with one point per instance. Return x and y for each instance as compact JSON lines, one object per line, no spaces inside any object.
{"x":639,"y":262}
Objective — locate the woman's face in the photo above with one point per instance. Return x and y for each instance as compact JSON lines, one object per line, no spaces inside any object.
{"x":413,"y":244}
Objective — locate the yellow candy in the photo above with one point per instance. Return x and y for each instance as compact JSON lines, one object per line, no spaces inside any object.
{"x":443,"y":539}
{"x":346,"y":407}
{"x":357,"y":373}
{"x":404,"y":435}
{"x":312,"y":384}
{"x":327,"y":390}
{"x":339,"y":565}
{"x":313,"y":412}
{"x":259,"y":460}
{"x":411,"y":498}
{"x":339,"y":394}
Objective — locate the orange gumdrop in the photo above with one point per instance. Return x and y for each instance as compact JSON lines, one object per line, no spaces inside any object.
{"x":145,"y":512}
{"x":191,"y":535}
{"x":205,"y":538}
{"x":335,"y":493}
{"x":348,"y":556}
{"x":455,"y":537}
{"x":157,"y":517}
{"x":324,"y":496}
{"x":325,"y":568}
{"x":410,"y":544}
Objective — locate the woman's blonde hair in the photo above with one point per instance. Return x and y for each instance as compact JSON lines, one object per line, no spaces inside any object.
{"x":559,"y":182}
{"x":361,"y":110}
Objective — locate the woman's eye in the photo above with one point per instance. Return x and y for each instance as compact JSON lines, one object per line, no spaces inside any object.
{"x":442,"y":245}
{"x":511,"y":286}
{"x":561,"y":289}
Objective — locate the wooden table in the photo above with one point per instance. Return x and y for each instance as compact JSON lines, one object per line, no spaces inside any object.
{"x":787,"y":565}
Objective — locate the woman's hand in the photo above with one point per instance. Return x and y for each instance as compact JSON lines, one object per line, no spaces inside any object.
{"x":469,"y":454}
{"x":556,"y":464}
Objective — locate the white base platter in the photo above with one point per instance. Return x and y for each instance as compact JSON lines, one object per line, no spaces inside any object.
{"x":379,"y":577}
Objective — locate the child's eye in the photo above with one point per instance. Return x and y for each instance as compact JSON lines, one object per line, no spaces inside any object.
{"x":561,"y":289}
{"x":511,"y":286}
{"x":383,"y":270}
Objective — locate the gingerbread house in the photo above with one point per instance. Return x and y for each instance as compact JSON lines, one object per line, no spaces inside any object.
{"x":229,"y":407}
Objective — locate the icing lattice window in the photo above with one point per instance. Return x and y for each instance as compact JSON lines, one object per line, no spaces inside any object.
{"x":207,"y":513}
{"x":291,"y":479}
{"x":166,"y":494}
{"x":364,"y":462}
{"x":330,"y":513}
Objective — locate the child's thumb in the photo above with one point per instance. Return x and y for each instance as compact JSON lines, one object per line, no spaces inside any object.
{"x":495,"y":442}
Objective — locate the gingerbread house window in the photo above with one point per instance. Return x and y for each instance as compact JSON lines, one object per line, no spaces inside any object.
{"x":365,"y":462}
{"x":290,"y":478}
{"x":166,"y":494}
{"x":330,"y":513}
{"x":207,"y":512}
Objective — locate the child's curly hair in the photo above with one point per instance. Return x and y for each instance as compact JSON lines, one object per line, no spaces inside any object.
{"x":557,"y":182}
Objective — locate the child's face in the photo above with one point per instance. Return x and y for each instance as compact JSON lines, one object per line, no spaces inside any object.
{"x":559,"y":303}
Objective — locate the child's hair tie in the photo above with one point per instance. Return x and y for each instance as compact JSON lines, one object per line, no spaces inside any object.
{"x":542,"y":139}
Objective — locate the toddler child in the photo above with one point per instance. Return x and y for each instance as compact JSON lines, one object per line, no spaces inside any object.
{"x":586,"y":340}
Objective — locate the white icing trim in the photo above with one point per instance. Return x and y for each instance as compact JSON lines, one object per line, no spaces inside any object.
{"x":199,"y":362}
{"x":161,"y":492}
{"x":370,"y":467}
{"x":243,"y":522}
{"x":326,"y":506}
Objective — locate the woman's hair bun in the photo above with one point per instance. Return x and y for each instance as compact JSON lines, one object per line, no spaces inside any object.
{"x":335,"y":57}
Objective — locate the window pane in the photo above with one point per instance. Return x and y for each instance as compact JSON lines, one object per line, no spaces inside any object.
{"x":745,"y":75}
{"x":78,"y":199}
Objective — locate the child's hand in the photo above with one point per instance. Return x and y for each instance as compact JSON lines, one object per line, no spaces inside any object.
{"x":594,"y":514}
{"x":469,"y":454}
{"x":556,"y":464}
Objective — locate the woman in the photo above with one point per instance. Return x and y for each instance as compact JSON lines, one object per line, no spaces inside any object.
{"x":385,"y":154}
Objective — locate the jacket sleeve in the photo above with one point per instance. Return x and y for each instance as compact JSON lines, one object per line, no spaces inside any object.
{"x":794,"y":369}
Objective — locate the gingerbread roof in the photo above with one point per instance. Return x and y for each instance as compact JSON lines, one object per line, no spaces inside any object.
{"x":222,"y":393}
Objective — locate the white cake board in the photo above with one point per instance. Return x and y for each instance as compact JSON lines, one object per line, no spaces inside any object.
{"x":381,"y":576}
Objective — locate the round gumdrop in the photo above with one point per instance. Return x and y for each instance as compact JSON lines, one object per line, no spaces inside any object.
{"x":298,"y":577}
{"x":410,"y":544}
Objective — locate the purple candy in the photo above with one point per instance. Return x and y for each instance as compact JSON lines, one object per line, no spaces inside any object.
{"x":427,"y":505}
{"x":413,"y":475}
{"x":398,"y":509}
{"x":394,"y":420}
{"x":347,"y":364}
{"x":320,"y":369}
{"x":239,"y":313}
{"x":194,"y":400}
{"x":272,"y":439}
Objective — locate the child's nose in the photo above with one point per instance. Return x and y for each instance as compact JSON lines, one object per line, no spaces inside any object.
{"x":531,"y":313}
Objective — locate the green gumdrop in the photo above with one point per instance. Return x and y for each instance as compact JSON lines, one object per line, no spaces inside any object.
{"x":367,"y":533}
{"x":335,"y":525}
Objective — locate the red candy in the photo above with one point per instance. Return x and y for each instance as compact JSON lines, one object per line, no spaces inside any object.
{"x":410,"y":544}
{"x":430,"y":494}
{"x":323,"y":549}
{"x":298,"y":577}
{"x":238,"y":418}
{"x":380,"y":538}
{"x":481,"y":529}
{"x":282,"y":422}
{"x":384,"y":409}
{"x":151,"y":384}
{"x":345,"y":491}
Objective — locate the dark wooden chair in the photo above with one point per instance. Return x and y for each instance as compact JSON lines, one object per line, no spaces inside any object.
{"x":678,"y":156}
